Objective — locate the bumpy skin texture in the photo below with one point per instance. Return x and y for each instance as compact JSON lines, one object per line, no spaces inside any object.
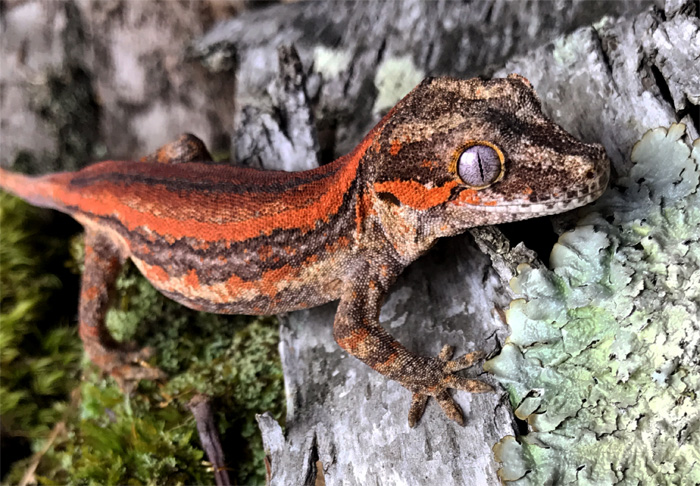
{"x":238,"y":241}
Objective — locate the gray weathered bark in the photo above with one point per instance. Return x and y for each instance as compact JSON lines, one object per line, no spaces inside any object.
{"x":607,"y":84}
{"x":81,"y":80}
{"x":363,"y":56}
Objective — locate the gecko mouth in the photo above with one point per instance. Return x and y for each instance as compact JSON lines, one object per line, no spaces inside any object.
{"x":565,"y":200}
{"x":549,"y":206}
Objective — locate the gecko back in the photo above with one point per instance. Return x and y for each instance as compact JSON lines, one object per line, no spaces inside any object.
{"x":212,"y":236}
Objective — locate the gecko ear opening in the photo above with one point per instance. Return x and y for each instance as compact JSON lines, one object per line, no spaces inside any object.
{"x":479,"y":164}
{"x":389,"y":198}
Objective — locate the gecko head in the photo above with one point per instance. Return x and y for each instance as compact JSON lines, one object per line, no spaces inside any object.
{"x":463,"y":153}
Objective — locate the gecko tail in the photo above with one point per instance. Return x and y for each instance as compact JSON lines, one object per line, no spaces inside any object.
{"x":39,"y":191}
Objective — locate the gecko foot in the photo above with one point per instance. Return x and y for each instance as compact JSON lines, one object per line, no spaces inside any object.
{"x":125,"y":365}
{"x":446,"y":380}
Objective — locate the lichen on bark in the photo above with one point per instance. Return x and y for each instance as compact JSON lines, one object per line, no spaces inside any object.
{"x":602,"y":359}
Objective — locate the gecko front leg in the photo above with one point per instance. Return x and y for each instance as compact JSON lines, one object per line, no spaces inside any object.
{"x":357,"y":330}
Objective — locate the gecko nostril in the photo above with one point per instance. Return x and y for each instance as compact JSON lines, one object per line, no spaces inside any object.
{"x":590,"y":174}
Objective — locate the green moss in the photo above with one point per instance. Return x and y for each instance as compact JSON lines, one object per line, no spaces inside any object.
{"x":232,"y":359}
{"x":39,"y":350}
{"x":604,"y":369}
{"x":149,"y":437}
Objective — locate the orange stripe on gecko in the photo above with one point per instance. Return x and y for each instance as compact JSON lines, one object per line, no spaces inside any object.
{"x":88,"y":331}
{"x":388,"y":362}
{"x":91,"y":293}
{"x":192,"y":280}
{"x":268,"y":285}
{"x":154,"y":273}
{"x":207,"y":216}
{"x":416,"y":195}
{"x":363,"y":209}
{"x":302,"y":210}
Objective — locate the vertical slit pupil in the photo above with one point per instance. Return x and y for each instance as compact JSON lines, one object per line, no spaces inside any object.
{"x":481,"y":167}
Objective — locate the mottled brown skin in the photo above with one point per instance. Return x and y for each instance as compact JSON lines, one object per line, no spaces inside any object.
{"x":238,"y":241}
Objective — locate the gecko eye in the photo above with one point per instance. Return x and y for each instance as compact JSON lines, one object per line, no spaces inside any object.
{"x":480,"y":165}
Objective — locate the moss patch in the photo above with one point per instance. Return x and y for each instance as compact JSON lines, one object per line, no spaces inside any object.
{"x":39,"y":349}
{"x":103,"y":436}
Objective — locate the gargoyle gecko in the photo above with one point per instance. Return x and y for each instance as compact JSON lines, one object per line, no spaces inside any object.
{"x":451,"y":155}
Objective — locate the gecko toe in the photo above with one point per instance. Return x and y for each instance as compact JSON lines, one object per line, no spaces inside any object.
{"x":138,"y":355}
{"x":445,"y":378}
{"x":134,"y":366}
{"x":418,"y":404}
{"x":446,"y":352}
{"x":464,"y":362}
{"x":466,"y":384}
{"x":450,"y":407}
{"x":128,"y":376}
{"x":124,"y":365}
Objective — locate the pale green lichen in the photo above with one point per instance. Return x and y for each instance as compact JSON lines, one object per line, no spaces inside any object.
{"x":602,"y":360}
{"x":395,"y":77}
{"x":331,"y":62}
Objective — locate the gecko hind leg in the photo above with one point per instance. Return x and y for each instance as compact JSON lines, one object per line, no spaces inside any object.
{"x":187,"y":148}
{"x":441,"y":393}
{"x":103,"y":262}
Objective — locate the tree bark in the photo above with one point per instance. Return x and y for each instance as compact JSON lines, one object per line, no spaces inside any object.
{"x":608,"y":84}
